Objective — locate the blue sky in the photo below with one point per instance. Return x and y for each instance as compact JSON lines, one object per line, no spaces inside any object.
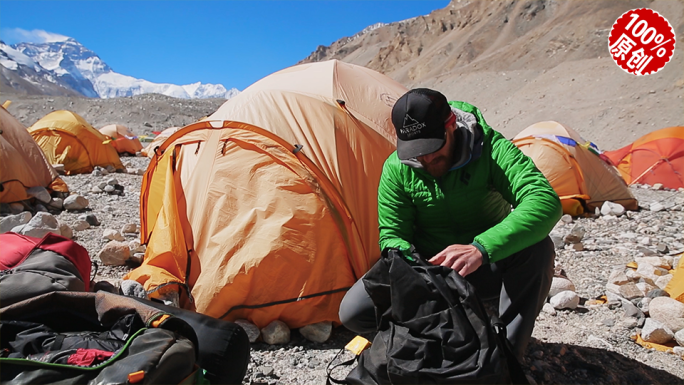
{"x":234,"y":43}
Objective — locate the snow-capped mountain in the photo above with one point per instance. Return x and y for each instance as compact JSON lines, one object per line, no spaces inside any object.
{"x":70,"y":65}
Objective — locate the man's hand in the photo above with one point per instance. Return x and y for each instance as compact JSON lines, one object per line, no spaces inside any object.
{"x":463,"y":258}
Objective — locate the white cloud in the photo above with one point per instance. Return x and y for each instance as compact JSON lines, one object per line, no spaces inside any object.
{"x":18,"y":35}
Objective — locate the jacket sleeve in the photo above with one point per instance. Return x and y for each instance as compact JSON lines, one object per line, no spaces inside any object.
{"x":536,"y":205}
{"x":396,"y":212}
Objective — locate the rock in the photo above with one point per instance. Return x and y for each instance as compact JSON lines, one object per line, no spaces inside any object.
{"x":549,"y":309}
{"x":578,"y":246}
{"x":16,"y":207}
{"x":643,"y":305}
{"x":81,"y":225}
{"x":135,"y":171}
{"x":679,"y":351}
{"x":110,"y":169}
{"x":655,"y":207}
{"x":557,"y":241}
{"x":252,"y":331}
{"x":109,"y":189}
{"x":645,"y":287}
{"x":565,"y":300}
{"x":645,"y":241}
{"x":657,"y":293}
{"x":632,"y":275}
{"x":669,"y":311}
{"x":566,"y":218}
{"x":41,"y":224}
{"x":96,"y":190}
{"x":652,"y":273}
{"x":630,"y":291}
{"x":112,"y":235}
{"x":657,"y":186}
{"x":57,"y":203}
{"x":130,"y":228}
{"x":679,"y":337}
{"x":40,"y":207}
{"x":137,"y":258}
{"x":662,"y":248}
{"x":660,"y":262}
{"x":617,"y":277}
{"x":90,"y":218}
{"x":112,"y":181}
{"x":59,"y":168}
{"x":133,"y":288}
{"x":656,"y":332}
{"x":661,"y":282}
{"x":114,"y":253}
{"x":575,"y":235}
{"x":629,"y":323}
{"x":75,"y":202}
{"x":9,"y":222}
{"x":631,"y":310}
{"x":65,"y":230}
{"x":97,"y":172}
{"x":318,"y":332}
{"x":276,"y":333}
{"x":559,"y":284}
{"x":40,"y":193}
{"x":610,"y":208}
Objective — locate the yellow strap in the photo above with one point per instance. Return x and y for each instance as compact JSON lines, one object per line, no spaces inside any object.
{"x":160,"y":320}
{"x":136,"y":377}
{"x":6,"y":104}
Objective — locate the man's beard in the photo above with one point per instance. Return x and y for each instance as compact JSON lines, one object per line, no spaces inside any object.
{"x":439,"y":166}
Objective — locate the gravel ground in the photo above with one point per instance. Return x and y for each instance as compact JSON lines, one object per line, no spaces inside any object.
{"x":587,"y":345}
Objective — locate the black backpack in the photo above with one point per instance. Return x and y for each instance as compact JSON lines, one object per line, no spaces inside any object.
{"x":432,"y":329}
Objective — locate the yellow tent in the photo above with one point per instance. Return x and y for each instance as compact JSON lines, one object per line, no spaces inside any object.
{"x":123,"y":140}
{"x":158,"y":140}
{"x":66,"y":138}
{"x":574,"y":167}
{"x":22,"y":163}
{"x":675,"y":288}
{"x":268,"y":210}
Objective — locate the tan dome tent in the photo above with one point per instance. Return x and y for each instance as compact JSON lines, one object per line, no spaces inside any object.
{"x":268,"y":210}
{"x":123,"y":140}
{"x":22,"y":163}
{"x":573,"y":166}
{"x":67,"y":138}
{"x":158,"y":140}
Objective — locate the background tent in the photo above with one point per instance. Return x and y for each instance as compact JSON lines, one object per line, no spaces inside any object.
{"x":158,"y":140}
{"x":66,"y":138}
{"x":657,"y":157}
{"x":274,"y":196}
{"x":123,"y":140}
{"x":573,"y":167}
{"x":22,"y":163}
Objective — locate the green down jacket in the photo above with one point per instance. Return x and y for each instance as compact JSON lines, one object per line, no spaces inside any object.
{"x":468,"y":205}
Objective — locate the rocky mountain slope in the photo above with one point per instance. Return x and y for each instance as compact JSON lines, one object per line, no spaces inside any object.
{"x":527,"y":61}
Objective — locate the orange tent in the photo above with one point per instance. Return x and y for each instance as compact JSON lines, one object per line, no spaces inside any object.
{"x":122,"y":138}
{"x":158,"y":140}
{"x":268,"y":209}
{"x":657,"y":157}
{"x":66,"y":138}
{"x":573,"y":166}
{"x":22,"y":163}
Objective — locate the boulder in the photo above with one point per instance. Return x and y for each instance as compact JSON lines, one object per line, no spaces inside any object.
{"x":114,"y":253}
{"x":559,"y":284}
{"x":9,"y":222}
{"x":65,"y":230}
{"x":41,"y":224}
{"x":130,"y":228}
{"x":57,"y":204}
{"x":318,"y":332}
{"x":669,"y":311}
{"x":656,"y":332}
{"x":75,"y":202}
{"x":565,"y":300}
{"x":40,"y":193}
{"x":81,"y":225}
{"x":276,"y":333}
{"x":610,"y":208}
{"x":252,"y":330}
{"x":112,"y":235}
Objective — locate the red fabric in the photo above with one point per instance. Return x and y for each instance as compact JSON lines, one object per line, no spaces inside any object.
{"x":88,"y":357}
{"x":14,"y":248}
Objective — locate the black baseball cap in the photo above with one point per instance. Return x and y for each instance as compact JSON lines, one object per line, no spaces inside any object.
{"x":419,"y":117}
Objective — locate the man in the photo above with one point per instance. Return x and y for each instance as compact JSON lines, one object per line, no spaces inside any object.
{"x":458,"y":194}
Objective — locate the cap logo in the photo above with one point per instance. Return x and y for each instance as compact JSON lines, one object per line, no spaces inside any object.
{"x":411,"y":127}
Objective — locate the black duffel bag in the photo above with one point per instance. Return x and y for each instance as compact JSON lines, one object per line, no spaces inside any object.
{"x":432,"y":329}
